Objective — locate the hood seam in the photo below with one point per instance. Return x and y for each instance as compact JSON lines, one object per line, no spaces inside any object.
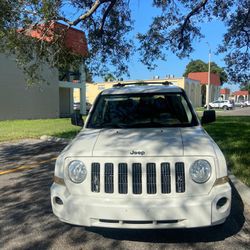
{"x":92,"y":153}
{"x":183,"y":154}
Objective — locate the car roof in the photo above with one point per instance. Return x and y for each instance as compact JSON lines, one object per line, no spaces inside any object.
{"x":138,"y":89}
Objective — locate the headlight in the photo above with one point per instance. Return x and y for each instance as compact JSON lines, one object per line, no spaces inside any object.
{"x":200,"y":171}
{"x":77,"y":171}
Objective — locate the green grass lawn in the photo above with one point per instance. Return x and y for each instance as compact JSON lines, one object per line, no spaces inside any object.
{"x":20,"y":129}
{"x":230,"y":133}
{"x":200,"y":109}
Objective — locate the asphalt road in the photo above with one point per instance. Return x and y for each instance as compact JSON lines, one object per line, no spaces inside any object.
{"x":27,"y":222}
{"x":235,"y":112}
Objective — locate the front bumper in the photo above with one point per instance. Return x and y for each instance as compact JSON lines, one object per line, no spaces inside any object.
{"x":145,"y":213}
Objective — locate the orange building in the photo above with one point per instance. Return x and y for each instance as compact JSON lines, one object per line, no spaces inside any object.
{"x":75,"y":39}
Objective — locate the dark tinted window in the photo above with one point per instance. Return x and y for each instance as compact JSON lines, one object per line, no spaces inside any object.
{"x":142,"y":110}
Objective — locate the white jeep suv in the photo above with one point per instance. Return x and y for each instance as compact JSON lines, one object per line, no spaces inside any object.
{"x":142,"y":160}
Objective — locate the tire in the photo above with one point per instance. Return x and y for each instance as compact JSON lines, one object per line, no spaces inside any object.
{"x":224,"y":108}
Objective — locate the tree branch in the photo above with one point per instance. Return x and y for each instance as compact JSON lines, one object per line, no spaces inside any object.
{"x":111,"y":5}
{"x":89,"y":13}
{"x":187,"y":19}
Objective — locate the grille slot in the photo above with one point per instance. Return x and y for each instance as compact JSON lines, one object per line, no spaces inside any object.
{"x":180,"y":177}
{"x":95,"y":177}
{"x":109,"y":178}
{"x":151,"y":178}
{"x":123,"y":178}
{"x":136,"y":178}
{"x":165,"y":178}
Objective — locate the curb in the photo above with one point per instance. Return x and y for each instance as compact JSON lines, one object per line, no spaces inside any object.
{"x":243,"y":189}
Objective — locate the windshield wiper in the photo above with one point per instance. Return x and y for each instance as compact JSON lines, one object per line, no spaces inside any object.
{"x":158,"y":125}
{"x":148,"y":125}
{"x":110,"y":125}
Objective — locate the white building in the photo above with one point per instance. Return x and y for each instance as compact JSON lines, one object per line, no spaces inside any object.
{"x":53,"y":100}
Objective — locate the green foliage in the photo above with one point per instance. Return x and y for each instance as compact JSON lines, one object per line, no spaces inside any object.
{"x":245,"y":86}
{"x":109,"y":78}
{"x":107,"y":24}
{"x":200,"y":66}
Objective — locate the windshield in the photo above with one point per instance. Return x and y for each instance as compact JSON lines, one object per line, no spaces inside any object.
{"x":142,"y":111}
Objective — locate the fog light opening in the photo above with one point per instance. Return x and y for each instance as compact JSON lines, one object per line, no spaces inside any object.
{"x":221,"y":202}
{"x":58,"y":201}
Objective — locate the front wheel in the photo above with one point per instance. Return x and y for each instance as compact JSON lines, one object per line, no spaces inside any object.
{"x":224,"y":108}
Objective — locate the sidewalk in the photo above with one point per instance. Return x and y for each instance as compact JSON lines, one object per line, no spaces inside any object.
{"x":242,"y":189}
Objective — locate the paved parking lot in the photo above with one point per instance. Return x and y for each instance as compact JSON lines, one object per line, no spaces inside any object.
{"x":27,"y":222}
{"x":235,"y":112}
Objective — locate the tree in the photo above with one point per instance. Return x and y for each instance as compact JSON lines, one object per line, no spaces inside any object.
{"x":245,"y":86}
{"x":109,"y":77}
{"x":107,"y":24}
{"x":200,"y":66}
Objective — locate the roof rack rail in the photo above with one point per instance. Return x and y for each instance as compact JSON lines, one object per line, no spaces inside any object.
{"x":167,"y":83}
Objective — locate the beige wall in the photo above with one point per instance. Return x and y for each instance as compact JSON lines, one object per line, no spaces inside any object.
{"x":93,"y":89}
{"x":192,"y":88}
{"x":18,"y":101}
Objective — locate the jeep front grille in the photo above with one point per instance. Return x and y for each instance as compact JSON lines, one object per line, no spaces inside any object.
{"x":132,"y":176}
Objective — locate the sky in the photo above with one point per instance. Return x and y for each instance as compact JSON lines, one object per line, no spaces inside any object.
{"x":213,"y":32}
{"x":142,"y":13}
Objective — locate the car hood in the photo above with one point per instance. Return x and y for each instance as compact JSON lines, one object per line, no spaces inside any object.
{"x":150,"y":142}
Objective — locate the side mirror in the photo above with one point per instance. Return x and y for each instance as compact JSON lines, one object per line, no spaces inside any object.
{"x":76,"y":119}
{"x":208,"y":116}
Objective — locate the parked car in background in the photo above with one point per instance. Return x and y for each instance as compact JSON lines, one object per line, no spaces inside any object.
{"x":223,"y":104}
{"x":77,"y":106}
{"x":247,"y":103}
{"x":240,"y":104}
